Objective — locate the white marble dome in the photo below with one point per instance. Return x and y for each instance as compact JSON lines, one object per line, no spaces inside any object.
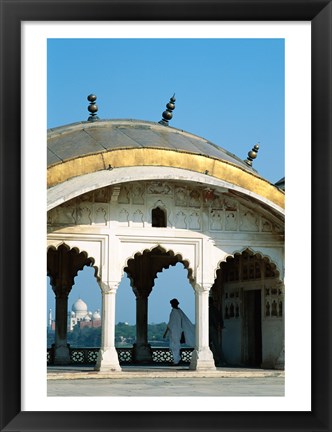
{"x":96,"y":315}
{"x":80,"y":308}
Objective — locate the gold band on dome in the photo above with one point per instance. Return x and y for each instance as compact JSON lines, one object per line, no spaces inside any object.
{"x":165,"y":158}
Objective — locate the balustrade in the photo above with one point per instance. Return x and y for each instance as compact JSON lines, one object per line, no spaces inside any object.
{"x":88,"y":356}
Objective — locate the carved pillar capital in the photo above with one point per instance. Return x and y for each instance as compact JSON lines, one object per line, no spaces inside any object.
{"x":203,"y":287}
{"x":62,"y":291}
{"x":109,"y":287}
{"x":141,"y":294}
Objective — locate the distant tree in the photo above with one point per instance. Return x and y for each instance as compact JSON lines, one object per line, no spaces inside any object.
{"x":125,"y":335}
{"x":156,"y":331}
{"x":86,"y":337}
{"x":50,"y":338}
{"x":155,"y":334}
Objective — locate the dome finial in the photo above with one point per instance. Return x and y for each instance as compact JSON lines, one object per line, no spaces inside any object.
{"x":167,"y":114}
{"x":92,"y":108}
{"x":252,"y":155}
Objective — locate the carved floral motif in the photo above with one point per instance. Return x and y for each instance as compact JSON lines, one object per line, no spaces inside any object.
{"x":137,"y":194}
{"x":161,"y":188}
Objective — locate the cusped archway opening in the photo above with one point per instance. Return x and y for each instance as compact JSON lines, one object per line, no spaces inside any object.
{"x":249,"y":296}
{"x":155,"y":276}
{"x":73,"y":305}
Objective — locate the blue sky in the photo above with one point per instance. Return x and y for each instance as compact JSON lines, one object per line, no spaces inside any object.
{"x":229,"y":91}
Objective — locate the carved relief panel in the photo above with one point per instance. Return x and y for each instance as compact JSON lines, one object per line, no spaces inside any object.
{"x":180,"y":196}
{"x":159,"y":188}
{"x":84,"y":209}
{"x":183,"y":205}
{"x":194,"y":221}
{"x":194,"y":198}
{"x":248,"y":221}
{"x":63,"y":215}
{"x":123,"y":197}
{"x":180,"y":220}
{"x":232,"y":303}
{"x":123,"y":217}
{"x":231,"y":220}
{"x":137,"y":194}
{"x":102,"y":195}
{"x":101,"y":214}
{"x":138,"y":218}
{"x":274,"y":301}
{"x":216,"y":220}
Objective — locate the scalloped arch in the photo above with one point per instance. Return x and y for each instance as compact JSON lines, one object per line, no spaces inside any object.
{"x":251,"y":251}
{"x":170,"y":252}
{"x":78,"y":252}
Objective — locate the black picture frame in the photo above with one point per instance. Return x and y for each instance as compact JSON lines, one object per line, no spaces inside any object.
{"x":12,"y":13}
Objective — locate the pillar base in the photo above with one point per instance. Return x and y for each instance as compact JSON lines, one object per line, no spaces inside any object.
{"x":142,"y":353}
{"x":202,"y":360}
{"x":108,"y":360}
{"x":280,"y":363}
{"x":62,"y":355}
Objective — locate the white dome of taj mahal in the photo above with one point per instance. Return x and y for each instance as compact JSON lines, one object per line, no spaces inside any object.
{"x":79,"y":306}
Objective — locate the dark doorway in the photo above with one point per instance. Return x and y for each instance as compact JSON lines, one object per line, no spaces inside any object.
{"x":253,"y":328}
{"x":159,"y":218}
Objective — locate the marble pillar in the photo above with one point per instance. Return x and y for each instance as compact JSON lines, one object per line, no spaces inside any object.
{"x":108,"y":360}
{"x":202,"y":357}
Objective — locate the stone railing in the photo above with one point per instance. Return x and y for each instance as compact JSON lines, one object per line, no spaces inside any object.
{"x":88,"y":356}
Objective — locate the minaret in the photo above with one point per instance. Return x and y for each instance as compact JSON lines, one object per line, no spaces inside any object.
{"x":50,"y":318}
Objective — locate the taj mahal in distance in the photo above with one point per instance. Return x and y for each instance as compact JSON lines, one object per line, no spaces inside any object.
{"x":79,"y":315}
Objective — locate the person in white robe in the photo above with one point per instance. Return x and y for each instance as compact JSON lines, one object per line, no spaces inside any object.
{"x":178,"y":323}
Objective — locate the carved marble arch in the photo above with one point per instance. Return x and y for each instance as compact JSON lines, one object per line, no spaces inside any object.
{"x":143,"y":267}
{"x":64,"y":263}
{"x":254,"y":265}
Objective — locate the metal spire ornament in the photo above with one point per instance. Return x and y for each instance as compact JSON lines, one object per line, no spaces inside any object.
{"x":167,"y":114}
{"x":252,"y":155}
{"x":92,"y":108}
